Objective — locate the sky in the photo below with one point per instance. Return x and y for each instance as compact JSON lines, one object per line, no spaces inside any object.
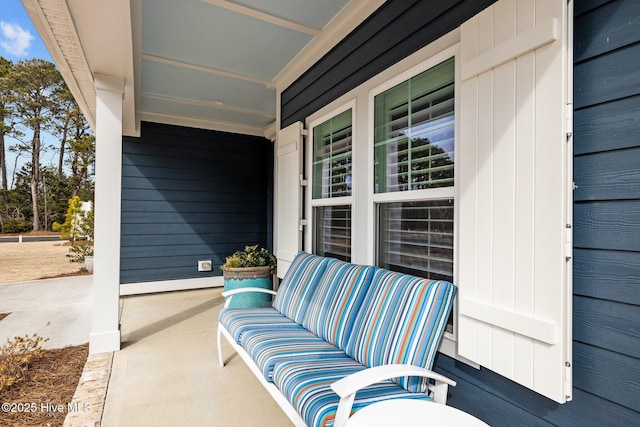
{"x":19,"y":40}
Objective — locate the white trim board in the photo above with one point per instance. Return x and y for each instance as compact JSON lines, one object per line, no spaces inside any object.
{"x":170,"y":285}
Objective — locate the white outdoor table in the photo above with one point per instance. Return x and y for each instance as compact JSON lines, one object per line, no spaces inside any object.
{"x":407,"y":412}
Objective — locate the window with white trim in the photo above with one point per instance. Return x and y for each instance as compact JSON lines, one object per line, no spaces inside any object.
{"x":417,"y":238}
{"x":414,"y":124}
{"x":333,"y":231}
{"x":332,"y":185}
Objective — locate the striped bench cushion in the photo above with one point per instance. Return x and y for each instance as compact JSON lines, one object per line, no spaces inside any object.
{"x":298,"y":284}
{"x":401,"y":320}
{"x":335,"y":302}
{"x":307,"y":385}
{"x":270,"y":347}
{"x":240,"y":320}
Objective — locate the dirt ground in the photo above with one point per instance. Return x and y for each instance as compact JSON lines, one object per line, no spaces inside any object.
{"x":42,"y":399}
{"x":21,"y":262}
{"x":52,"y":379}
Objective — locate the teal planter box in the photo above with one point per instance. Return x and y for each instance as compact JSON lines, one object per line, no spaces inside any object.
{"x":253,"y":277}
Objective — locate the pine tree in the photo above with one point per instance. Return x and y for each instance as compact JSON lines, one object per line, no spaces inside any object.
{"x":6,"y":115}
{"x":35,"y":81}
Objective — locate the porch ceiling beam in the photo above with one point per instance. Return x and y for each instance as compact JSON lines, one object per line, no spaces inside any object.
{"x":174,"y":119}
{"x":205,"y":104}
{"x":204,"y":69}
{"x":263,"y":16}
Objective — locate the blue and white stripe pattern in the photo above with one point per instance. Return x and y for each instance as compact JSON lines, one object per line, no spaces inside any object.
{"x":336,"y":300}
{"x":331,"y":319}
{"x":271,"y":347}
{"x":298,"y":285}
{"x":402,"y":320}
{"x":307,"y":385}
{"x":237,"y":321}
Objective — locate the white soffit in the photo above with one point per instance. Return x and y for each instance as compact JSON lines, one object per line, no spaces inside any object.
{"x":105,"y":31}
{"x":86,"y":38}
{"x":55,"y":26}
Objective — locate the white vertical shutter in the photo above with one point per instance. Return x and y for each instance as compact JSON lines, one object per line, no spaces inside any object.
{"x":288,"y":195}
{"x":513,"y":175}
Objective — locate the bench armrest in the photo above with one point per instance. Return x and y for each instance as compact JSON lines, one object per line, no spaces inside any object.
{"x":228,"y":295}
{"x":347,"y":387}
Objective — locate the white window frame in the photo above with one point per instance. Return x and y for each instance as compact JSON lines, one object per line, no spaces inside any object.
{"x":448,"y":345}
{"x":329,"y":201}
{"x":363,"y":217}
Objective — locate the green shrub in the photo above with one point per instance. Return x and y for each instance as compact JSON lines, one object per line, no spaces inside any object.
{"x":251,"y":256}
{"x":78,"y":227}
{"x":73,"y":219}
{"x":16,"y":226}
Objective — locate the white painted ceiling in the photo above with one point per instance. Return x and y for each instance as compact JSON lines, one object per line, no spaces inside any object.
{"x":216,"y":61}
{"x":211,"y":64}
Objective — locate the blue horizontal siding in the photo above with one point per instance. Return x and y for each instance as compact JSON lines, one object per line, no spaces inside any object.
{"x":164,"y":262}
{"x":182,"y":206}
{"x":190,"y":194}
{"x":608,"y":126}
{"x":610,"y":225}
{"x":187,"y":218}
{"x":223,"y":196}
{"x":606,"y":330}
{"x":623,"y":21}
{"x":607,"y":324}
{"x":607,"y":274}
{"x":396,"y":30}
{"x":200,"y":229}
{"x":609,"y":175}
{"x":152,"y":246}
{"x":608,"y":77}
{"x":584,"y":6}
{"x":615,"y":376}
{"x":503,"y":403}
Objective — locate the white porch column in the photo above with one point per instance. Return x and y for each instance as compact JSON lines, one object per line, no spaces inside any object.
{"x":105,"y":332}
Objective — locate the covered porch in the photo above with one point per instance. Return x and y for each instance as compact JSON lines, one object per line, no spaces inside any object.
{"x":166,"y":372}
{"x":526,"y":347}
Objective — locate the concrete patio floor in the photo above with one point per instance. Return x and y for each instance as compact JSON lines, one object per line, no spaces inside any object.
{"x":167,"y":372}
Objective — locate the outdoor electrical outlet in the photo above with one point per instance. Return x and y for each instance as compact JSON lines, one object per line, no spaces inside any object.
{"x":204,"y":265}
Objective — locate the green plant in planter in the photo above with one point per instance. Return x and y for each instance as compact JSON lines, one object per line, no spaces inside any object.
{"x":251,"y":256}
{"x":251,"y":268}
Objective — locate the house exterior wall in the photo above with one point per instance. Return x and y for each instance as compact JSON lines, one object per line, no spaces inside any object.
{"x":396,"y":30}
{"x":190,"y":194}
{"x":607,"y":203}
{"x":606,"y":363}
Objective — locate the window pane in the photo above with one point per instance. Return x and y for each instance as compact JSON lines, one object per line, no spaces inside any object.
{"x":417,"y":238}
{"x":333,"y":231}
{"x":414,"y":132}
{"x":332,"y":157}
